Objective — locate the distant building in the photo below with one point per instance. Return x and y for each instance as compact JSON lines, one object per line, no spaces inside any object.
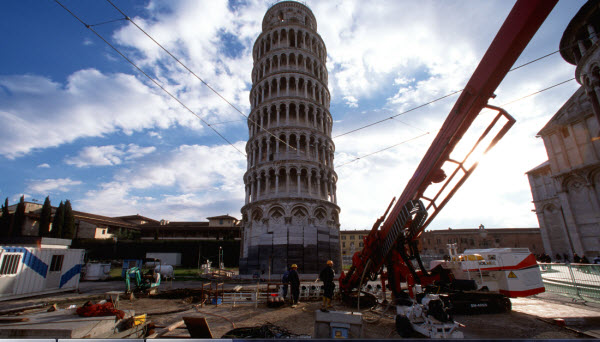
{"x":92,"y":226}
{"x":223,"y":227}
{"x":566,"y":188}
{"x":87,"y":226}
{"x":433,"y":243}
{"x":351,"y":241}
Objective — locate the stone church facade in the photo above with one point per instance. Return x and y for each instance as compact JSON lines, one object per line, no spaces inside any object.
{"x":566,"y":188}
{"x":290,"y":214}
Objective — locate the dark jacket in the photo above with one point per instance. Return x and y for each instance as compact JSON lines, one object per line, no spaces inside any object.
{"x":327,"y":274}
{"x":294,"y":278}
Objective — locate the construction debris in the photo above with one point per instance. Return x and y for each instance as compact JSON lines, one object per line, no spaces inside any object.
{"x":98,"y":310}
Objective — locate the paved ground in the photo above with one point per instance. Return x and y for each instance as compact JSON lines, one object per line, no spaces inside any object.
{"x":531,"y":317}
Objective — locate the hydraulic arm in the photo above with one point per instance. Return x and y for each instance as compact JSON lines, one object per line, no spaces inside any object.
{"x":392,"y":241}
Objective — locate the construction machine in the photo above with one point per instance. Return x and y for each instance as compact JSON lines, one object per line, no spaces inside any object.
{"x":142,"y":279}
{"x":390,"y":250}
{"x":142,"y":283}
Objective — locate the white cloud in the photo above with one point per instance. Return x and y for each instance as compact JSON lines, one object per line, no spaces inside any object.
{"x":108,"y":155}
{"x":44,"y":166}
{"x":197,"y":180}
{"x":351,"y":101}
{"x":90,"y":104}
{"x":52,"y":185}
{"x":155,"y":134}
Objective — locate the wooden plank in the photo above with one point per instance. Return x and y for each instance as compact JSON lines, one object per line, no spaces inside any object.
{"x":198,"y":327}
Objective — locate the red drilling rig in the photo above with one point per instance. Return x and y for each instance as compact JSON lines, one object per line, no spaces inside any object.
{"x":390,"y":250}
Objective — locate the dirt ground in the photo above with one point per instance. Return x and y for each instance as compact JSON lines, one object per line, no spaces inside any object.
{"x":300,"y":320}
{"x":531,"y":318}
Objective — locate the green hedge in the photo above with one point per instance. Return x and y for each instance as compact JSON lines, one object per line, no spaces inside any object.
{"x":135,"y":249}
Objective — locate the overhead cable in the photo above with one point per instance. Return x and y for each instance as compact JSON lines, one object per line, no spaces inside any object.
{"x":502,"y":105}
{"x":443,"y":97}
{"x":150,"y":78}
{"x":394,"y":116}
{"x":384,"y":149}
{"x":198,"y":77}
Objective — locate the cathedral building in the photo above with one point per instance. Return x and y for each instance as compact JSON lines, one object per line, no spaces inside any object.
{"x":566,"y":188}
{"x":290,"y":214}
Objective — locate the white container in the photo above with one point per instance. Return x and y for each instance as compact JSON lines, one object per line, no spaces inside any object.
{"x":32,"y":271}
{"x":166,"y":271}
{"x":96,"y":271}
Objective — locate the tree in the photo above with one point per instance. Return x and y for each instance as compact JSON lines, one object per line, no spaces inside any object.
{"x":68,"y":231}
{"x":45,"y":218}
{"x":59,"y":221}
{"x":5,"y":220}
{"x":18,"y":219}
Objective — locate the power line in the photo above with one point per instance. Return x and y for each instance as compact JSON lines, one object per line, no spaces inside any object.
{"x":126,"y":17}
{"x":505,"y":104}
{"x":393,"y":116}
{"x":384,"y":149}
{"x":537,"y":92}
{"x":108,"y":22}
{"x":150,"y":78}
{"x":225,"y":122}
{"x":443,"y":97}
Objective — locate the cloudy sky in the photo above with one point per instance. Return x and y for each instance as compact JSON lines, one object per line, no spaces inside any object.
{"x":78,"y":122}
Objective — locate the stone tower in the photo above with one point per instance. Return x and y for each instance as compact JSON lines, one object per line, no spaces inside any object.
{"x":290,"y":215}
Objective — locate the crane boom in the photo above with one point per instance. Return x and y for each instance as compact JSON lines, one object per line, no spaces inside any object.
{"x":410,"y":216}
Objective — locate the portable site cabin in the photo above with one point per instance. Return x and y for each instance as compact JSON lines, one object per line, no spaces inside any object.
{"x":31,"y":266}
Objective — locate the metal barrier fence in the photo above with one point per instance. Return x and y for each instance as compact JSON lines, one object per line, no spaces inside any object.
{"x":581,"y":281}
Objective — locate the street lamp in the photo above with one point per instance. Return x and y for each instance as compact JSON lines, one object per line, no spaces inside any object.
{"x":220,"y":257}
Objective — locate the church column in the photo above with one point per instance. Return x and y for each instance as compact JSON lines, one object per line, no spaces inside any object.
{"x":259,"y":151}
{"x":319,"y":187}
{"x":307,"y":148}
{"x":287,"y":146}
{"x":544,"y":232}
{"x":306,"y":115}
{"x":298,"y":181}
{"x":268,"y":149}
{"x":258,"y":188}
{"x":253,"y":190}
{"x":571,"y":224}
{"x":334,"y":192}
{"x":267,"y":184}
{"x":309,"y":185}
{"x":276,"y":183}
{"x":287,"y":182}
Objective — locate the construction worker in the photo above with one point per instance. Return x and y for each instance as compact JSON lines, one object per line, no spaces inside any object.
{"x":327,"y":275}
{"x":294,"y":280}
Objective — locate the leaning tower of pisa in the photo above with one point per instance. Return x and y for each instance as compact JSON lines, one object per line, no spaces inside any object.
{"x":290,"y":215}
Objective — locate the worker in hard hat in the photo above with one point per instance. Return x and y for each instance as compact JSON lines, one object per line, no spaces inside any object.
{"x":327,"y":275}
{"x":294,"y":280}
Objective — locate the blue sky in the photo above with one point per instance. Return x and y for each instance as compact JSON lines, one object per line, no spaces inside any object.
{"x":79,"y":123}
